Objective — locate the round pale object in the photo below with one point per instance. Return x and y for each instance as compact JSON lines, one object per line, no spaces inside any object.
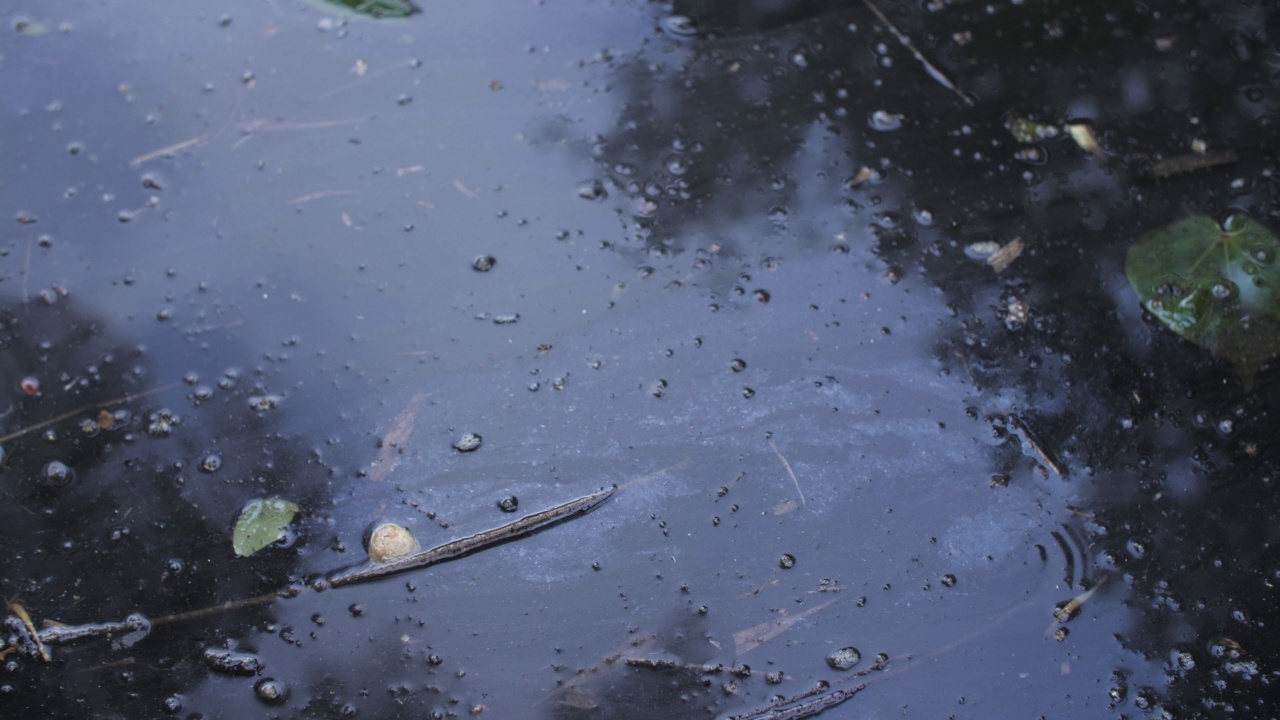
{"x":390,"y":541}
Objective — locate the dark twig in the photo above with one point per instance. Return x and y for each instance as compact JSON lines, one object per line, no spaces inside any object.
{"x":933,"y":70}
{"x":457,"y":548}
{"x":813,"y":701}
{"x":84,"y":408}
{"x":25,"y":640}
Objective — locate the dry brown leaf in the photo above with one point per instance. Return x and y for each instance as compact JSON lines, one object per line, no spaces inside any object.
{"x":745,"y":641}
{"x":393,"y":442}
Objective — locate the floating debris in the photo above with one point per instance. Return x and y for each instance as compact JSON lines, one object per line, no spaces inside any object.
{"x":932,"y":70}
{"x":844,"y":658}
{"x":1001,"y":259}
{"x":1067,"y":612}
{"x":1190,"y":163}
{"x":389,"y":542}
{"x":448,"y":551}
{"x":1027,"y":131}
{"x":262,"y":522}
{"x":469,"y":442}
{"x":1037,"y":448}
{"x":23,"y":639}
{"x":1082,"y":133}
{"x":230,"y":662}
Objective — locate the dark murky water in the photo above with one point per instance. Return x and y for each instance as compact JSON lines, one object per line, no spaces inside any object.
{"x":713,"y":253}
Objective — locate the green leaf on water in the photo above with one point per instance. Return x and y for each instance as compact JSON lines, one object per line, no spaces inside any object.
{"x":377,"y":9}
{"x":261,"y":522}
{"x":1217,"y":286}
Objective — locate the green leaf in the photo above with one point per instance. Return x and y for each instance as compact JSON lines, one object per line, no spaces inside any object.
{"x":377,"y":9}
{"x":1218,"y":287}
{"x":261,"y":522}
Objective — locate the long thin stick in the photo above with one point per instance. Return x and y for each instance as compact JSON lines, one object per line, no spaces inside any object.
{"x":457,"y":548}
{"x":794,"y":480}
{"x":84,"y":408}
{"x":935,"y":73}
{"x":27,"y":641}
{"x":448,"y":551}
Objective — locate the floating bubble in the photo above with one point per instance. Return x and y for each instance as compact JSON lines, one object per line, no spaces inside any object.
{"x":592,"y":190}
{"x":679,"y":27}
{"x":844,"y":658}
{"x":56,"y":474}
{"x":263,"y":403}
{"x":469,"y":442}
{"x":30,"y":385}
{"x":787,"y":561}
{"x":271,"y":691}
{"x":484,"y":263}
{"x":509,"y":504}
{"x":160,"y":424}
{"x":885,"y":121}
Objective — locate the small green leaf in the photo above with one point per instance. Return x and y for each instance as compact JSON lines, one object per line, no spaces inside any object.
{"x":377,"y":9}
{"x":261,"y":522}
{"x":1218,"y":287}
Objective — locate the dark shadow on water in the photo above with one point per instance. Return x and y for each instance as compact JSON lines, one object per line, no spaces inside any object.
{"x":125,"y":487}
{"x":761,"y":117}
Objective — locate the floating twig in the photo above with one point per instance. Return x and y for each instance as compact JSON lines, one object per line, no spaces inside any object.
{"x":817,"y":699}
{"x":1192,"y":162}
{"x":169,"y":150}
{"x":318,"y":195}
{"x":933,"y":71}
{"x":1030,"y":440}
{"x":25,"y":640}
{"x":363,"y":77}
{"x":791,"y":473}
{"x":657,"y":664}
{"x":458,"y":548}
{"x":26,"y":268}
{"x":84,"y":408}
{"x":1067,"y":612}
{"x":744,"y":641}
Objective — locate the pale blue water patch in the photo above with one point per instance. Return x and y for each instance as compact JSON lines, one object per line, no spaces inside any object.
{"x":990,"y":537}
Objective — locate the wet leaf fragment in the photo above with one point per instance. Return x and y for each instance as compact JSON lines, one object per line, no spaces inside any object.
{"x":377,"y":9}
{"x":1213,"y":285}
{"x":1082,"y":133}
{"x":1001,"y":259}
{"x":1026,"y":130}
{"x":261,"y":522}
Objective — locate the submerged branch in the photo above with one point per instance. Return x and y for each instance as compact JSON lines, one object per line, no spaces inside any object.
{"x":932,"y":70}
{"x":25,"y":640}
{"x":450,"y":550}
